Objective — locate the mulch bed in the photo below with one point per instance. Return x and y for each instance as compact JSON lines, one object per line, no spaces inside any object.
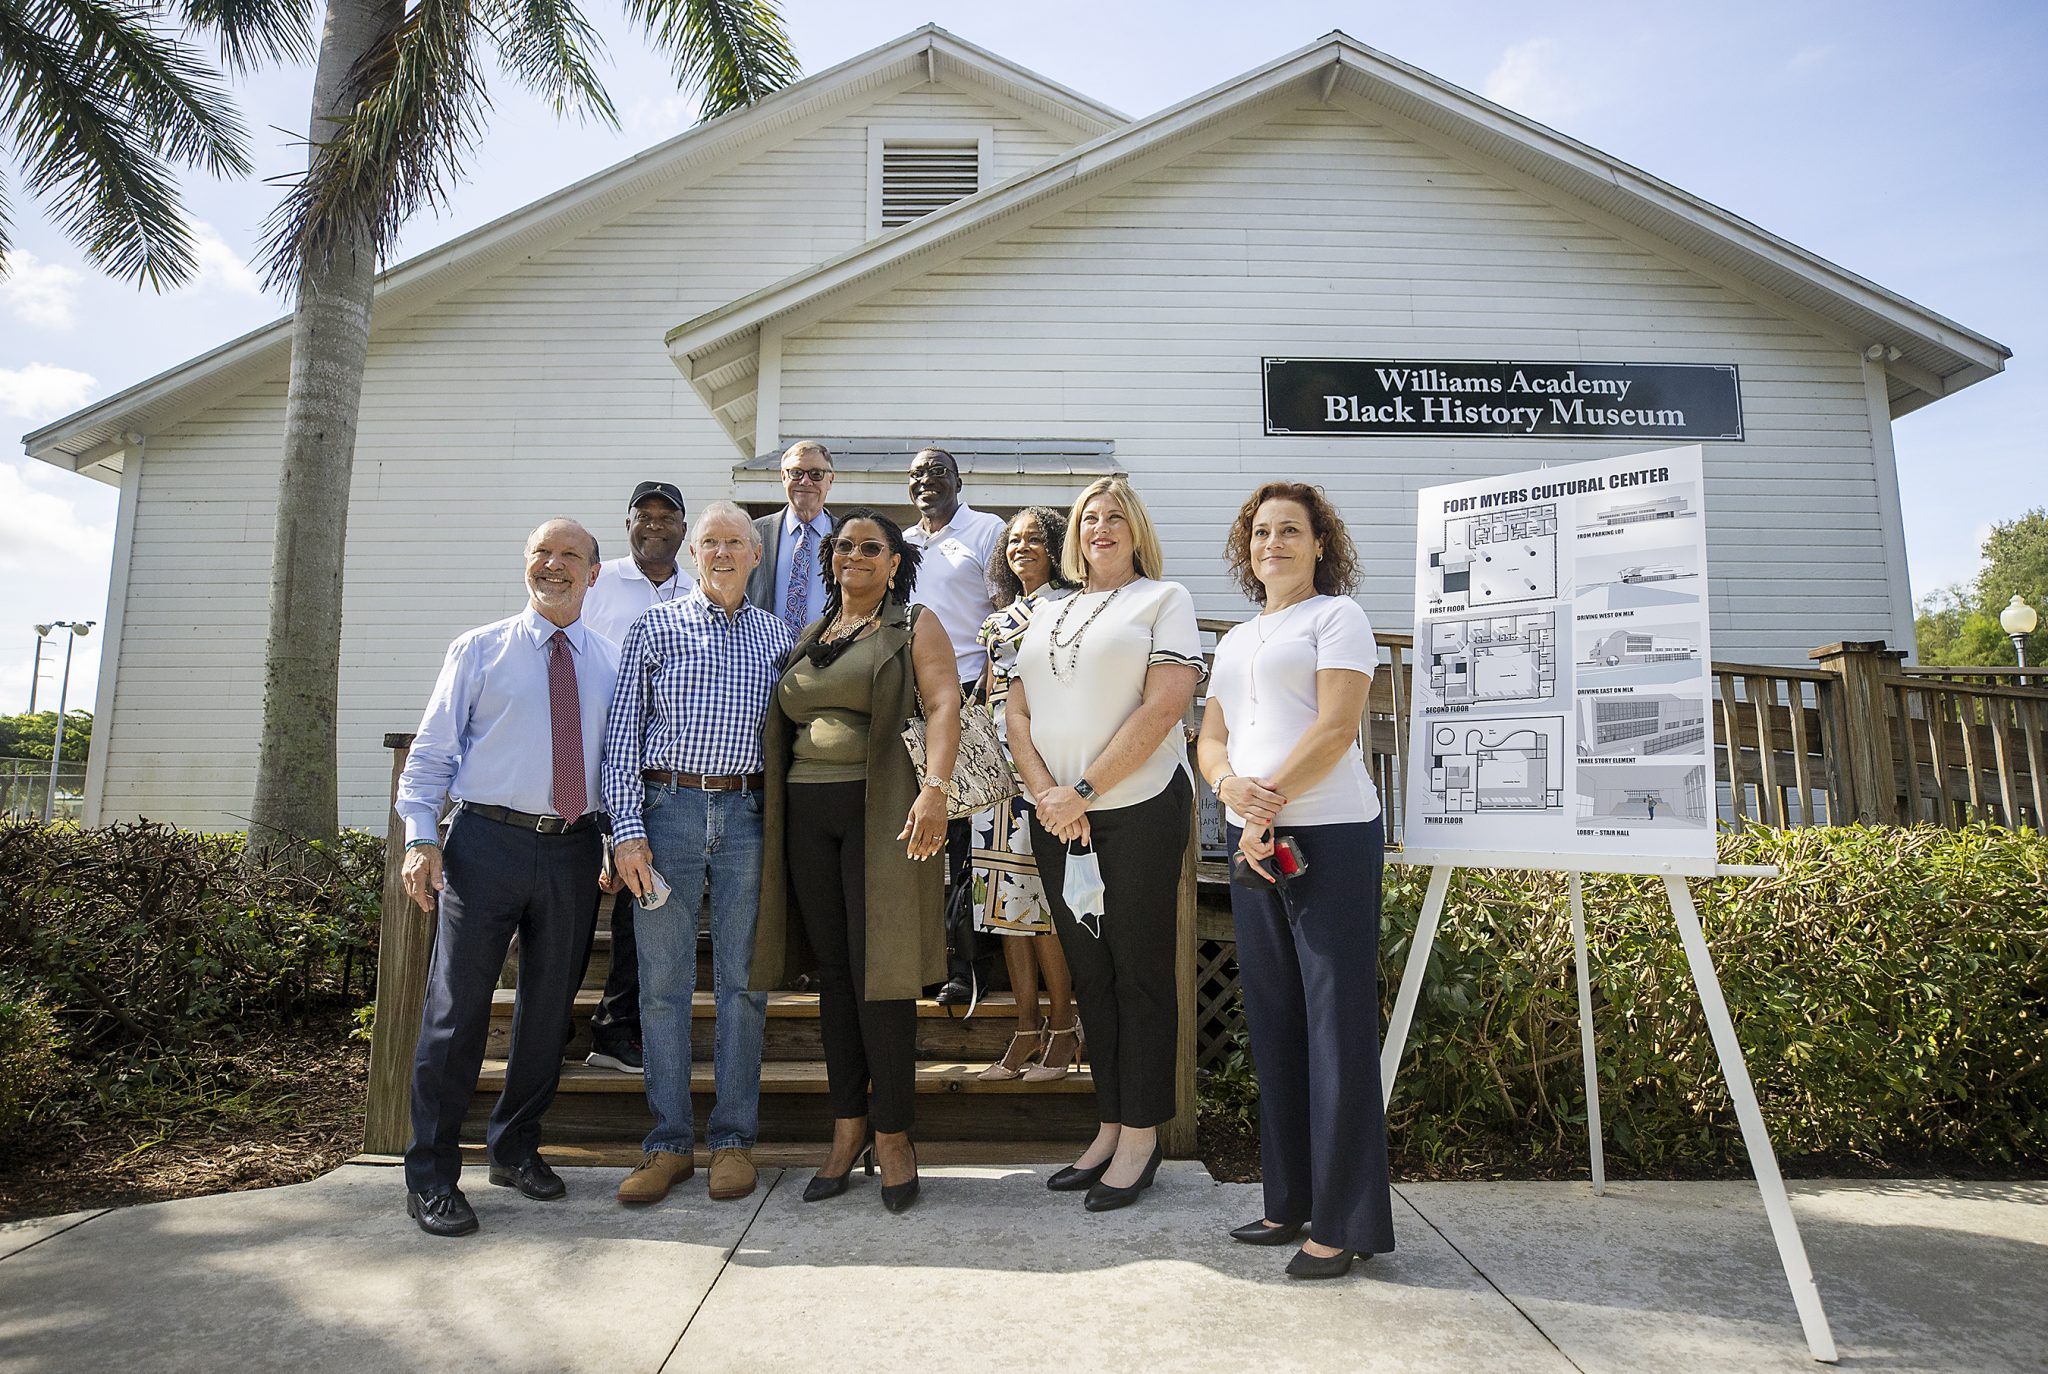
{"x":280,"y":1109}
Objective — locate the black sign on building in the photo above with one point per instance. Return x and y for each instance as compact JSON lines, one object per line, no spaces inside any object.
{"x":1392,"y":396}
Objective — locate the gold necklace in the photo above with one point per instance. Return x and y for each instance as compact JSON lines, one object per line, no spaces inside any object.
{"x":850,"y":628}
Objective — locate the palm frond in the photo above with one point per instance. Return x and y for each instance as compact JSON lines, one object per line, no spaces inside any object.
{"x":95,"y":104}
{"x":549,"y":47}
{"x":737,"y":50}
{"x":416,"y":104}
{"x":251,"y":32}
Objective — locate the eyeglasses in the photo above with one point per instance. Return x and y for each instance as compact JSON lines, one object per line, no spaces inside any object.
{"x":866,"y":548}
{"x":815,"y":476}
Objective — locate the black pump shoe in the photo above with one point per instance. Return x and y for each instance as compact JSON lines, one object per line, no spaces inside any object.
{"x":1076,"y":1180}
{"x":897,"y":1197}
{"x":824,"y":1185}
{"x":1307,"y":1266}
{"x":1104,"y":1198}
{"x":1258,"y":1233}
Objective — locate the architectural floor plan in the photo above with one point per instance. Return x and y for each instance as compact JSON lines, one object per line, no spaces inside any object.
{"x":1497,"y":557}
{"x":1494,"y":658}
{"x":1514,"y":763}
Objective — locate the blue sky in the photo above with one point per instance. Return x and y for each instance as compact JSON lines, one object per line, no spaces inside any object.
{"x":1901,"y":141}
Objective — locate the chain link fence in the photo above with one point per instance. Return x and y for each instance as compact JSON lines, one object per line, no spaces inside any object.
{"x":25,"y":788}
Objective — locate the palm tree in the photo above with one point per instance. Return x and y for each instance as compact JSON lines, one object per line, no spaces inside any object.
{"x":399,"y":98}
{"x":97,"y":103}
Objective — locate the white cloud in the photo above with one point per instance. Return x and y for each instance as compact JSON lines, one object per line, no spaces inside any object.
{"x":661,"y":116}
{"x":1527,"y":81}
{"x":39,"y":527}
{"x":220,"y":265}
{"x":41,"y":392}
{"x":39,"y":293}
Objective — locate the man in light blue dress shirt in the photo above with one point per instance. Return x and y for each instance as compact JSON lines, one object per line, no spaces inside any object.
{"x":513,"y":735}
{"x":682,"y":781}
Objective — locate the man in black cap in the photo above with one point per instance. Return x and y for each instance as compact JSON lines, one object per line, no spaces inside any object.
{"x":625,"y":588}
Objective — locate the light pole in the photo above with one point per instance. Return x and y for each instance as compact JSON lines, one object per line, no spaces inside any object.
{"x":79,"y":629}
{"x":35,"y":674}
{"x":2018,"y":620}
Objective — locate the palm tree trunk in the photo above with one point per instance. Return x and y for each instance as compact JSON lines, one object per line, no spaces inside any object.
{"x":296,"y":795}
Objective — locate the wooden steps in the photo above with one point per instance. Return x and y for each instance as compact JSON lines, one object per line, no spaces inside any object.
{"x":801,"y":1155}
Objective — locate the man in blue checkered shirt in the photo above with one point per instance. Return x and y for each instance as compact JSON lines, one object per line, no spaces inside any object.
{"x":682,"y":780}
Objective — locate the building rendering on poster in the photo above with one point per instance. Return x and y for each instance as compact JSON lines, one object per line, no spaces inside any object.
{"x":1562,"y":696}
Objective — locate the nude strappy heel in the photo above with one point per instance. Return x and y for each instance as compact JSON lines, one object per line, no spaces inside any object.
{"x":997,"y":1073}
{"x":1042,"y":1072}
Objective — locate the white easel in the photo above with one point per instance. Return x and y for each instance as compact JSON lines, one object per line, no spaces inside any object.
{"x":1756,"y":1139}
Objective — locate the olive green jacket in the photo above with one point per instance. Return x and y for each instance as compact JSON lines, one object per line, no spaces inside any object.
{"x":906,"y":937}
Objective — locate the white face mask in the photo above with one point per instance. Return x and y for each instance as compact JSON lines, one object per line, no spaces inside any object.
{"x":1084,"y":891}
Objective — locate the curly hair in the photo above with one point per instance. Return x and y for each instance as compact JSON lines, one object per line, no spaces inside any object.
{"x":1336,"y":570}
{"x":906,"y":571}
{"x":1003,"y":584}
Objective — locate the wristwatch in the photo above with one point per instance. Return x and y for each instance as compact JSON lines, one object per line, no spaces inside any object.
{"x":1085,"y":790}
{"x":939,"y":783}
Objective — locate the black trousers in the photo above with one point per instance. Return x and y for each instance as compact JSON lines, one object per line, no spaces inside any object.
{"x":1309,"y":965}
{"x":870,"y":1047}
{"x":617,"y":1017}
{"x":500,"y":880}
{"x":1124,"y":978}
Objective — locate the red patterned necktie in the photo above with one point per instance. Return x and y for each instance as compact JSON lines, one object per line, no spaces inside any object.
{"x":797,"y":599}
{"x":565,"y":719}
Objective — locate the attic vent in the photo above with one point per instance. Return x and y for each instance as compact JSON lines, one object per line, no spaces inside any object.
{"x":918,"y":178}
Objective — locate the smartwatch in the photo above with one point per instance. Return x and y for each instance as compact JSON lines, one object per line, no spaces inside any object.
{"x":1085,"y":790}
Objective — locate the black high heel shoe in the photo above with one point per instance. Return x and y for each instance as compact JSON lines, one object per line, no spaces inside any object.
{"x":897,"y":1197}
{"x":1105,"y":1198}
{"x":1307,"y":1266}
{"x":823,"y":1185}
{"x":1077,"y":1180}
{"x":1258,"y":1233}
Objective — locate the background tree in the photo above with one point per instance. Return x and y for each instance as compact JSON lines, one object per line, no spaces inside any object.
{"x":28,"y":735}
{"x":97,"y":103}
{"x":1958,"y":625}
{"x":399,"y":98}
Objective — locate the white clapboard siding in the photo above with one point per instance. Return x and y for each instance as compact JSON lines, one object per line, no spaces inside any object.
{"x":543,"y":391}
{"x":1141,"y":317}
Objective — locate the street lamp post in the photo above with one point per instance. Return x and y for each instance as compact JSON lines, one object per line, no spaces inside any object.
{"x":79,"y":629}
{"x":2018,"y":620}
{"x":35,"y":673}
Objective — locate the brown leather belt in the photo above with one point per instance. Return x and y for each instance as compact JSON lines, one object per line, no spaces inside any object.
{"x":698,"y":782}
{"x":545,"y":825}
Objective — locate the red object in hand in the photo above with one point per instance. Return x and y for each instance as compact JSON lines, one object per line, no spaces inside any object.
{"x":1289,"y":859}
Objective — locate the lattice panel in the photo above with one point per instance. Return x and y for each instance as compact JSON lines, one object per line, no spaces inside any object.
{"x":1219,"y":1013}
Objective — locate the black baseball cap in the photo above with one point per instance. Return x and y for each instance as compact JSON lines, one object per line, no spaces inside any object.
{"x":667,"y":491}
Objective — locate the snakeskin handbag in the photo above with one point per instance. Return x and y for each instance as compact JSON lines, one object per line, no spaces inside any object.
{"x":982,"y":776}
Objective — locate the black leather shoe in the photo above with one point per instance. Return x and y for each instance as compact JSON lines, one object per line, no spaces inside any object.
{"x":897,"y":1197}
{"x":824,"y":1185}
{"x":1104,"y":1198}
{"x":1077,"y":1180}
{"x":533,"y":1178}
{"x":444,"y":1212}
{"x":1258,"y":1233}
{"x":955,"y":992}
{"x":1307,"y":1266}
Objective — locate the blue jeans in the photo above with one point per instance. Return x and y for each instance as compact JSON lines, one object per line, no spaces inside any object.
{"x":693,"y":835}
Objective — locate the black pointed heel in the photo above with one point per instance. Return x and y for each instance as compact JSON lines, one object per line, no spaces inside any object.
{"x":1074,"y":1179}
{"x":823,"y":1185}
{"x":1258,"y":1233}
{"x":1104,"y":1198}
{"x":1307,"y":1266}
{"x":897,"y":1197}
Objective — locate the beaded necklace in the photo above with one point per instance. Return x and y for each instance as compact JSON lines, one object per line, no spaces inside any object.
{"x":1073,"y":646}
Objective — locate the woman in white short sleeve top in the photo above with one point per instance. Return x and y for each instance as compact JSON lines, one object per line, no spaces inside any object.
{"x":1280,"y":746}
{"x":1101,"y":681}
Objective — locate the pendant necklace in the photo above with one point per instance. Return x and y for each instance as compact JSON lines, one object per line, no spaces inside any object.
{"x":1072,"y":647}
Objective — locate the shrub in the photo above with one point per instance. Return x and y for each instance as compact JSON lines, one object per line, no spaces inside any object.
{"x":146,"y":937}
{"x":1889,"y":990}
{"x":29,"y":1064}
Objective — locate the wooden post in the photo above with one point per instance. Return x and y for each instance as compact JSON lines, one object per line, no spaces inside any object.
{"x":1178,"y":1135}
{"x":1865,"y":739}
{"x":404,"y":945}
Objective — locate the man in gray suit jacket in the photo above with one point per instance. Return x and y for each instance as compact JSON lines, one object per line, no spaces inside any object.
{"x":793,"y":540}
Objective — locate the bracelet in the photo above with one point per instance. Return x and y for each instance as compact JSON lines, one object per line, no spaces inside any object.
{"x":421,"y":844}
{"x":939,"y":783}
{"x":1217,"y":786}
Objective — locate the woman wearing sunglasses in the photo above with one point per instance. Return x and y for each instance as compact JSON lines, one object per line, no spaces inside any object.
{"x":849,"y":831}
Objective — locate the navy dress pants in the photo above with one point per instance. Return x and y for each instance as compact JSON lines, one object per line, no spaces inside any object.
{"x":1309,"y":967}
{"x":500,"y":880}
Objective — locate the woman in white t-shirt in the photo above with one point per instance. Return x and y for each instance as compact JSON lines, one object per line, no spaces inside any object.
{"x":1280,"y":746}
{"x":1101,"y":681}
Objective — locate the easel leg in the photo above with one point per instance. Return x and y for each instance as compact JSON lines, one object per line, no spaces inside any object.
{"x":1411,"y":978}
{"x":1586,"y":1051}
{"x":1820,"y":1340}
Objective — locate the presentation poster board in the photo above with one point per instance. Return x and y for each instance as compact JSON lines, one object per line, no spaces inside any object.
{"x":1562,"y":690}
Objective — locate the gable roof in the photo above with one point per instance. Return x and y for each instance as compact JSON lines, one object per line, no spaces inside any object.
{"x":86,"y":439}
{"x":1925,"y":355}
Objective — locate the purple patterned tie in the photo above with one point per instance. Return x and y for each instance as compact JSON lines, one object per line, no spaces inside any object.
{"x":797,"y":599}
{"x":565,"y":720}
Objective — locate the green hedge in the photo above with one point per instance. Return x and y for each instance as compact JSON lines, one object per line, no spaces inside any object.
{"x":1890,"y":988}
{"x":141,"y":951}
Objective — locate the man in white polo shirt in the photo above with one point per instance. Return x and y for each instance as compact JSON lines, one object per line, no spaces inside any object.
{"x":958,"y":542}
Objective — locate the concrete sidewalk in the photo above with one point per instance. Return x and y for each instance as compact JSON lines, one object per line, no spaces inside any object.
{"x":989,"y":1270}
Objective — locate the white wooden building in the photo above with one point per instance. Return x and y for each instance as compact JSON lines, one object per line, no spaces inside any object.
{"x":1089,"y":294}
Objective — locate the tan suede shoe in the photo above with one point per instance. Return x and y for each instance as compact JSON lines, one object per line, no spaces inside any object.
{"x":732,"y":1173}
{"x":659,"y":1171}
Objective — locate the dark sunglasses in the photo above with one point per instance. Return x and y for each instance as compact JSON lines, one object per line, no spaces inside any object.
{"x":866,"y":548}
{"x":815,"y":476}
